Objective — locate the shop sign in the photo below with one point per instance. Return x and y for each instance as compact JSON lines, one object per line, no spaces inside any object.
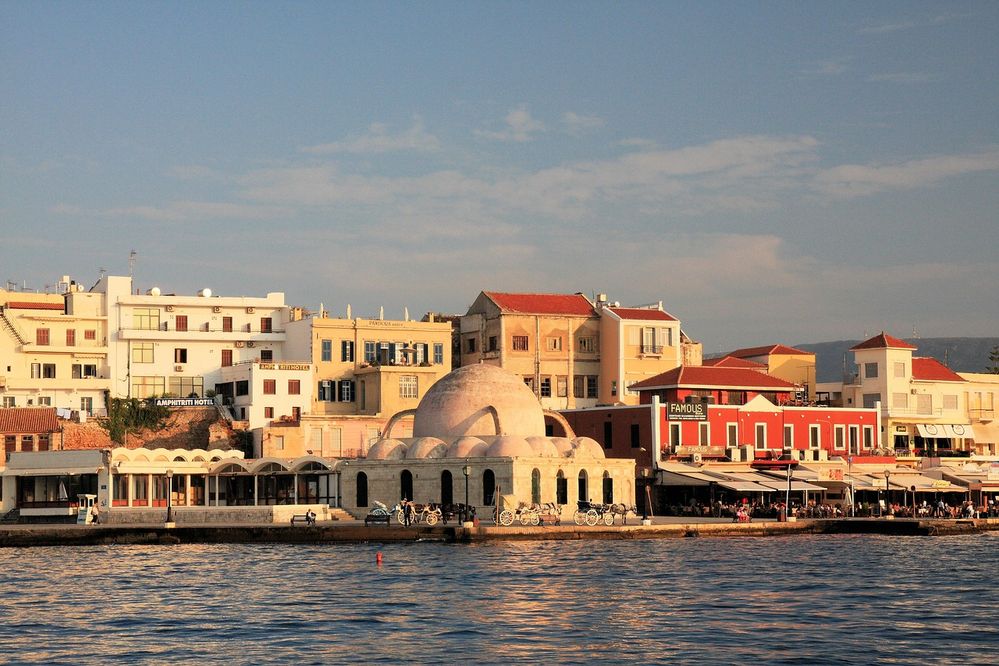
{"x":184,"y":402}
{"x":686,"y":411}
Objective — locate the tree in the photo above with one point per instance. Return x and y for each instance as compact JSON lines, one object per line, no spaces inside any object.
{"x":130,"y":415}
{"x":994,"y":360}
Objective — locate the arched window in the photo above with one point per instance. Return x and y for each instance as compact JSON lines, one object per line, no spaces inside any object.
{"x":447,"y":488}
{"x":582,"y":490}
{"x":488,"y":488}
{"x":536,"y":486}
{"x":608,"y":488}
{"x":362,"y":489}
{"x":561,"y":489}
{"x":406,"y":485}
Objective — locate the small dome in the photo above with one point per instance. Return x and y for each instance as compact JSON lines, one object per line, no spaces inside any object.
{"x":467,"y":447}
{"x":563,"y":445}
{"x":426,"y":447}
{"x":510,"y":446}
{"x":387,"y":449}
{"x":543,"y":447}
{"x":586,"y":447}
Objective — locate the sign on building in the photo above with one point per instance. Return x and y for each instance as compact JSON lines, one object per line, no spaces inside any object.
{"x":686,"y":411}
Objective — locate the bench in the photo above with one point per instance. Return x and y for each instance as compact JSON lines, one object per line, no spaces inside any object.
{"x":299,"y":518}
{"x":375,"y":518}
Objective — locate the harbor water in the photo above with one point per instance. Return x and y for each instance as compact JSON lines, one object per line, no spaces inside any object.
{"x":791,"y":600}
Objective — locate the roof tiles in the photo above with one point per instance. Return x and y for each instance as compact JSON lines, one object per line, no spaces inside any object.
{"x":644,"y":314}
{"x":930,"y":369}
{"x":882,"y":341}
{"x":556,"y":304}
{"x":699,"y":376}
{"x":27,"y":420}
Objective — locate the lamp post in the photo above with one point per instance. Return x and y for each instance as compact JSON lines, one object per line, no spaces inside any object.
{"x":467,"y":471}
{"x":887,"y":477}
{"x":169,"y":517}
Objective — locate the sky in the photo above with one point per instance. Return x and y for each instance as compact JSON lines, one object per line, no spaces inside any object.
{"x":773,"y":172}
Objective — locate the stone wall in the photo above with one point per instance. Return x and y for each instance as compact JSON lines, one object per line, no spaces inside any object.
{"x":216,"y":515}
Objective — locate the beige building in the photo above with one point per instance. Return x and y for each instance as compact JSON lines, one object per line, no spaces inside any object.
{"x":792,"y":365}
{"x":571,"y":352}
{"x":981,"y":398}
{"x":53,"y":350}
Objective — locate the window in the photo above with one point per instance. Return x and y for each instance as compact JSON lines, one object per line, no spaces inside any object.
{"x":279,"y":442}
{"x":562,"y":386}
{"x":546,"y":387}
{"x":268,"y":412}
{"x":674,"y":434}
{"x":652,"y":340}
{"x":761,"y":435}
{"x":48,"y":371}
{"x":90,"y":334}
{"x":226,"y":358}
{"x":370,"y":352}
{"x":83,"y":371}
{"x":900,"y":400}
{"x":294,"y":387}
{"x":42,"y":336}
{"x":265,"y":325}
{"x":36,"y":370}
{"x":520,"y":343}
{"x":9,"y":401}
{"x":591,"y":386}
{"x":327,"y":350}
{"x":181,"y":323}
{"x":270,"y":387}
{"x":438,"y":353}
{"x":788,"y":436}
{"x":854,"y":437}
{"x":146,"y":319}
{"x":242,"y":387}
{"x":421,"y":352}
{"x":839,"y":441}
{"x":179,"y":355}
{"x":950,"y":402}
{"x":326,"y":391}
{"x":186,"y":387}
{"x":142,"y":352}
{"x":227,"y":324}
{"x":814,"y":437}
{"x":870,"y":370}
{"x":636,"y":436}
{"x":924,"y":403}
{"x":608,"y":435}
{"x":553,"y":344}
{"x":470,"y":345}
{"x":44,"y":401}
{"x":266,"y":355}
{"x":492,"y":346}
{"x":587,"y":345}
{"x":871,"y":400}
{"x":732,"y":434}
{"x":868,"y":437}
{"x":347,"y":351}
{"x":347,"y":390}
{"x":561,"y":489}
{"x":579,"y":386}
{"x":704,"y":433}
{"x":148,"y":387}
{"x":899,"y":369}
{"x":70,"y":337}
{"x":408,"y":386}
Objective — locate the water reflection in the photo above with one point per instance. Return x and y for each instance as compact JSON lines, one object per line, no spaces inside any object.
{"x":796,"y":600}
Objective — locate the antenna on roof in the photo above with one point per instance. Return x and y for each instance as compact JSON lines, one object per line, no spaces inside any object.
{"x":131,"y":263}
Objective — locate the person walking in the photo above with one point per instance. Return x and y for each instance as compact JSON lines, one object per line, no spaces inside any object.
{"x":408,"y":511}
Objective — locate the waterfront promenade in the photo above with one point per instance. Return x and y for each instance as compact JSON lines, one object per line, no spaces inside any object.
{"x":354,"y":531}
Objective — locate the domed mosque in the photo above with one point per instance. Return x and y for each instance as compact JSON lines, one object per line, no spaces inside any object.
{"x":481,"y":430}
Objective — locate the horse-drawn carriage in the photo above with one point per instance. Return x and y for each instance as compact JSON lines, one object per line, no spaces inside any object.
{"x":510,"y":510}
{"x":591,"y":513}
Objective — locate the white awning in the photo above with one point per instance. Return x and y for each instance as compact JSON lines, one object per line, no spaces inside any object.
{"x":744,"y":486}
{"x":945,"y":431}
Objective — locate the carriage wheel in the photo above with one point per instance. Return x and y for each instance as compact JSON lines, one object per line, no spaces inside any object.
{"x":525,"y":518}
{"x":400,"y":517}
{"x":579,"y":517}
{"x":506,"y":518}
{"x":535,"y":519}
{"x":432,"y":519}
{"x":608,"y":519}
{"x":592,"y":517}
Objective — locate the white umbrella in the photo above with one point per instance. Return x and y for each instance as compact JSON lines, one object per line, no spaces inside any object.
{"x":63,"y":495}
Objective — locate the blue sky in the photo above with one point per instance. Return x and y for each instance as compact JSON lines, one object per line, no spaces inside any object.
{"x":773,"y":172}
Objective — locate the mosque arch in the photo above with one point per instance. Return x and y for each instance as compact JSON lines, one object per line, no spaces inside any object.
{"x":362,"y":489}
{"x":406,"y":485}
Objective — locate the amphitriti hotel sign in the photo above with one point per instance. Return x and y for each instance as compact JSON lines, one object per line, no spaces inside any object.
{"x":184,"y":402}
{"x":686,"y":411}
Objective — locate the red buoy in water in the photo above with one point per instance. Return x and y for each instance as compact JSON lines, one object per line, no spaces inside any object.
{"x":378,"y":558}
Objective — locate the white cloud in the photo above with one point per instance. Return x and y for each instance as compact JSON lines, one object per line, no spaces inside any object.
{"x":901,"y":77}
{"x":910,"y":23}
{"x":829,"y":67}
{"x":852,"y":180}
{"x":520,"y":127}
{"x":577,"y":124}
{"x":378,"y":140}
{"x":179,"y":211}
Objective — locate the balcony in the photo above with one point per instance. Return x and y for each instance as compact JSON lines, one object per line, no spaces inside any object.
{"x":651,"y":350}
{"x":984,"y":415}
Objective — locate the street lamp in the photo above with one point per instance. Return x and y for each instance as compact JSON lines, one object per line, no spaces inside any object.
{"x":887,"y":476}
{"x":467,"y":471}
{"x":169,"y":476}
{"x":647,"y":496}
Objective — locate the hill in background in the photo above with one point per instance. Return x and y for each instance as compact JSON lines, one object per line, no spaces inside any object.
{"x":959,"y":354}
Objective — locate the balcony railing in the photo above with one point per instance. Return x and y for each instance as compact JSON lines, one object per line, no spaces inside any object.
{"x":651,"y":349}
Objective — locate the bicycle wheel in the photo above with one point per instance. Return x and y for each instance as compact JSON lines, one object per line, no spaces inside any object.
{"x":579,"y":517}
{"x":608,"y":519}
{"x":592,"y":517}
{"x":506,"y":518}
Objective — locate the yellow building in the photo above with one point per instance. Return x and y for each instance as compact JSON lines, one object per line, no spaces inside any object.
{"x":787,"y":363}
{"x":636,"y":344}
{"x":981,"y":398}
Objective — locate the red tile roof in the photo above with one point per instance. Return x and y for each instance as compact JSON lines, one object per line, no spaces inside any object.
{"x":733,"y":362}
{"x":643,"y":314}
{"x":27,"y":305}
{"x":557,"y":304}
{"x":882,"y":341}
{"x":767,"y":350}
{"x":930,"y":369}
{"x":699,"y":376}
{"x":28,"y":420}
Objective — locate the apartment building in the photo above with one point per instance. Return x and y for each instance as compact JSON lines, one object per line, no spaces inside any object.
{"x":53,"y":349}
{"x":788,"y":363}
{"x":636,"y":344}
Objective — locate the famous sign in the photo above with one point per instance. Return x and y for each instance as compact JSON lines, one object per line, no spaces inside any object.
{"x":686,"y":411}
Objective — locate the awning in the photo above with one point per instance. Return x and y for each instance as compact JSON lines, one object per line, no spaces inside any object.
{"x":743,"y":486}
{"x":945,"y":431}
{"x":795,"y":486}
{"x":50,"y":471}
{"x":670,"y":478}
